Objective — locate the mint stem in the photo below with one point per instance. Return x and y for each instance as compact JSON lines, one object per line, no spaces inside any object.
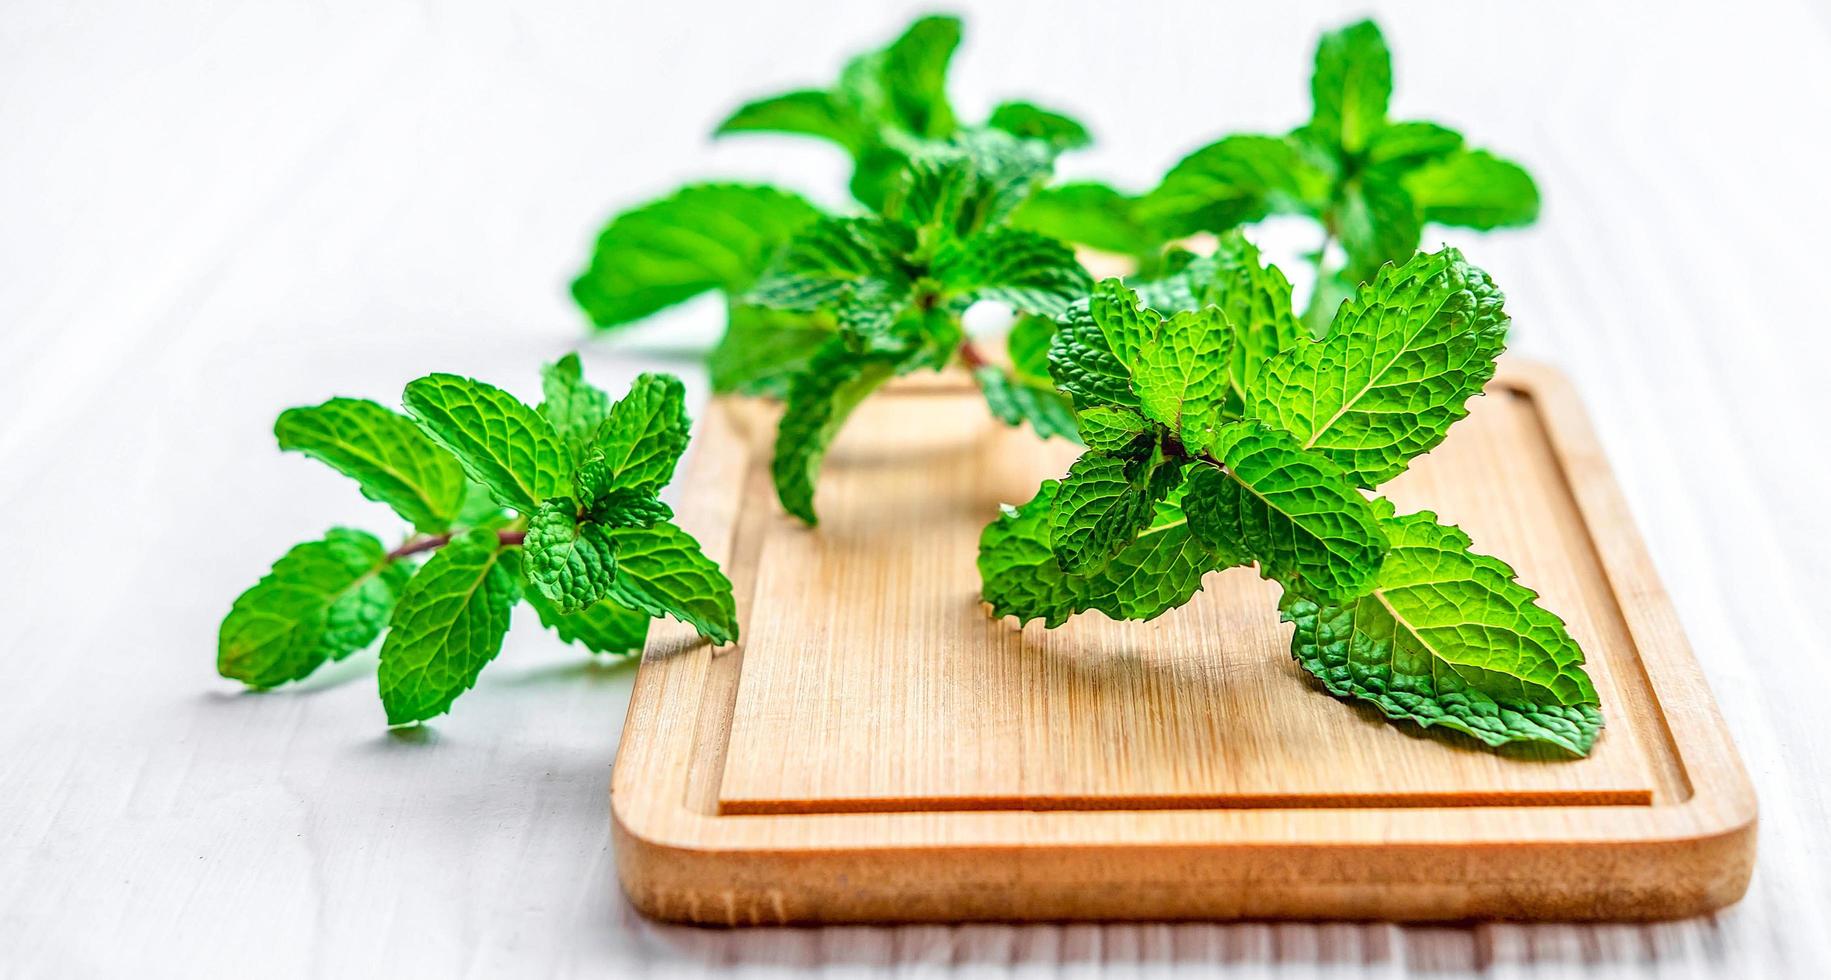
{"x":970,"y":356}
{"x":433,"y":542}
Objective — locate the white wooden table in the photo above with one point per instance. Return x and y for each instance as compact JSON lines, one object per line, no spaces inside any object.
{"x":209,"y":212}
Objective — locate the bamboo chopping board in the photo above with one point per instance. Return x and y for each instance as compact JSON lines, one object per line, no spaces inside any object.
{"x":879,"y":749}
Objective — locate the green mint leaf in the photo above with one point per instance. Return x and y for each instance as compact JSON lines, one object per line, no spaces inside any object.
{"x":1257,"y":300}
{"x":1410,"y":144}
{"x":819,"y":401}
{"x":1014,"y":403}
{"x":1129,"y":327}
{"x":763,"y":348}
{"x":575,"y":407}
{"x":662,"y":572}
{"x":385,"y":453}
{"x":323,"y":600}
{"x":1018,"y":571}
{"x":806,"y":112}
{"x":832,"y":259}
{"x":628,"y":507}
{"x":570,"y":561}
{"x":1396,"y":369}
{"x":1091,"y":214}
{"x":1110,"y":429}
{"x":1448,"y":637}
{"x":1021,"y":269}
{"x":1028,"y":347}
{"x":704,"y":236}
{"x":501,"y":443}
{"x":1474,"y":189}
{"x":639,"y":441}
{"x":972,"y":183}
{"x":1183,"y":372}
{"x":1083,"y":364}
{"x":448,"y":624}
{"x":1028,"y":121}
{"x":603,"y":627}
{"x":1103,"y":503}
{"x":1160,"y":569}
{"x":1236,"y":180}
{"x":913,"y":76}
{"x":480,"y":508}
{"x":1377,"y":222}
{"x":1293,"y":511}
{"x":1351,"y":87}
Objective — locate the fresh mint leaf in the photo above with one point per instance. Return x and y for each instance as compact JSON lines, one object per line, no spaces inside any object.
{"x":639,"y":441}
{"x":1183,"y":371}
{"x":1411,"y":144}
{"x":1015,"y":402}
{"x":763,"y":348}
{"x":1377,"y":222}
{"x":1351,"y":86}
{"x":703,"y":237}
{"x":500,"y":442}
{"x":912,"y":78}
{"x":968,"y":185}
{"x":603,"y":627}
{"x":1028,"y":347}
{"x":1294,"y":512}
{"x":1160,"y":569}
{"x":807,"y":112}
{"x":1395,"y":371}
{"x":1474,"y":189}
{"x":1233,"y":181}
{"x":570,"y":561}
{"x":1083,"y":364}
{"x":1103,"y":503}
{"x":1028,"y":121}
{"x":662,"y":572}
{"x":819,"y":402}
{"x":1021,"y":269}
{"x":1110,"y":429}
{"x":1129,"y":326}
{"x":323,"y":600}
{"x":1447,"y":637}
{"x":628,"y":507}
{"x":385,"y":453}
{"x":573,"y":406}
{"x":1092,"y":214}
{"x":835,"y":258}
{"x":448,"y":624}
{"x":1257,"y":301}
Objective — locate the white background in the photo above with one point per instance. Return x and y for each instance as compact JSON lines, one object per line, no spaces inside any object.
{"x":210,"y":212}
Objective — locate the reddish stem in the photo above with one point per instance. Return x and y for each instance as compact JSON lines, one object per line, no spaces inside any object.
{"x":970,"y":356}
{"x":435,"y":541}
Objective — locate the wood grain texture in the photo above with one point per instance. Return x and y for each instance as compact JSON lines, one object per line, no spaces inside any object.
{"x":879,"y":749}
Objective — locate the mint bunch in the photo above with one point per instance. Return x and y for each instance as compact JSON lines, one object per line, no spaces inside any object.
{"x":887,"y":108}
{"x":555,"y":505}
{"x":1371,"y":182}
{"x":894,"y":286}
{"x":1218,"y":435}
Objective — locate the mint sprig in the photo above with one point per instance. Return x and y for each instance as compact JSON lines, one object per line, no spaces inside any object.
{"x":1372,"y":183}
{"x":556,"y":506}
{"x":1218,"y":436}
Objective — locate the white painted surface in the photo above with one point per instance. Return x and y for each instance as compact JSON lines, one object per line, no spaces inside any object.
{"x":209,"y":212}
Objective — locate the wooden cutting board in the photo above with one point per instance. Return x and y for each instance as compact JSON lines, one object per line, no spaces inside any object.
{"x":879,"y":749}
